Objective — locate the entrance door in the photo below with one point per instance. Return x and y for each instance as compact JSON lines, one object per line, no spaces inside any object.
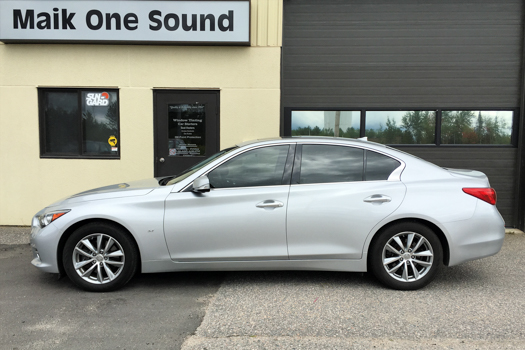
{"x":186,"y":129}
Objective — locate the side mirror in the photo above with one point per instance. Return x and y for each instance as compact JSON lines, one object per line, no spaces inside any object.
{"x":201,"y":184}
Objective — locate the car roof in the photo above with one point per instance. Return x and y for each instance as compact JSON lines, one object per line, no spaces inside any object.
{"x":308,"y":139}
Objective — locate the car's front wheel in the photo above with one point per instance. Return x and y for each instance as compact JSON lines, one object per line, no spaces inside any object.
{"x":100,"y":257}
{"x":406,"y":256}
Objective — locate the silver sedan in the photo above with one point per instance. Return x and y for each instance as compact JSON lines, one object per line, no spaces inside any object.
{"x":278,"y":204}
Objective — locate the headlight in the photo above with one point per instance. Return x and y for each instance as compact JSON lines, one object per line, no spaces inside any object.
{"x":47,"y":218}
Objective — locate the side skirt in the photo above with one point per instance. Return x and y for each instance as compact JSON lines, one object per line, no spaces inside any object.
{"x":349,"y":265}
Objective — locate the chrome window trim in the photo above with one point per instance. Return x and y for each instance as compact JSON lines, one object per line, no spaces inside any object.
{"x":394,"y":176}
{"x":242,"y":188}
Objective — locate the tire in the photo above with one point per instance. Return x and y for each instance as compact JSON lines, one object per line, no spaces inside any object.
{"x":403,"y":267}
{"x":89,"y":266}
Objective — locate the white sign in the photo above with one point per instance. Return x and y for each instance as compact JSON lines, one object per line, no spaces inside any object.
{"x":200,"y":22}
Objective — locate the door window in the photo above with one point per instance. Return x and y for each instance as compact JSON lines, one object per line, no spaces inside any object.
{"x":324,"y":163}
{"x":258,"y":167}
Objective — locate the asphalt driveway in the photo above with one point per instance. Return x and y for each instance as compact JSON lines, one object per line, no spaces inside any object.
{"x":477,"y":305}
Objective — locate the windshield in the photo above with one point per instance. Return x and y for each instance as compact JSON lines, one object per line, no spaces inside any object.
{"x":196,"y":167}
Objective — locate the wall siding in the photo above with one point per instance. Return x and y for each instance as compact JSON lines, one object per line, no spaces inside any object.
{"x":386,"y":53}
{"x":364,"y":54}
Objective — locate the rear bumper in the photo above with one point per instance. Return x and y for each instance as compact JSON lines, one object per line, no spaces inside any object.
{"x":478,"y":237}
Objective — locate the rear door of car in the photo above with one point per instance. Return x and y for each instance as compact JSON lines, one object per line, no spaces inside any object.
{"x":338,"y":194}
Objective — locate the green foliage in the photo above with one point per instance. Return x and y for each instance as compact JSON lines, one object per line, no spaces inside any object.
{"x":464,"y":127}
{"x":317,"y":131}
{"x":417,"y":127}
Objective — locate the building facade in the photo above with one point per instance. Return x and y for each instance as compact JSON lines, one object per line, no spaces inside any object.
{"x":55,"y":141}
{"x":148,"y":88}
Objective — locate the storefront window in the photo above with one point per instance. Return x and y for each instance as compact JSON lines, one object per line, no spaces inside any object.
{"x":401,"y":127}
{"x":326,"y":123}
{"x":476,"y":127}
{"x":79,"y":123}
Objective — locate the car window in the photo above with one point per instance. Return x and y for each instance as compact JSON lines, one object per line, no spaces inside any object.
{"x":186,"y":173}
{"x":325,"y":163}
{"x":259,"y":167}
{"x":379,"y":166}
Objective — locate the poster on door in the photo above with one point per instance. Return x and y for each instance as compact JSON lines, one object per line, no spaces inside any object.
{"x":186,"y":130}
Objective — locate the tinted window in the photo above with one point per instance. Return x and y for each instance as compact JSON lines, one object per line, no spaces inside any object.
{"x":259,"y":167}
{"x":77,"y":123}
{"x":401,"y":127}
{"x":326,"y":123}
{"x":476,"y":127}
{"x":61,"y":123}
{"x":378,"y":166}
{"x":323,"y":163}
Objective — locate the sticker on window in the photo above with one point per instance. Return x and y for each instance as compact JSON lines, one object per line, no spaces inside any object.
{"x":97,"y":99}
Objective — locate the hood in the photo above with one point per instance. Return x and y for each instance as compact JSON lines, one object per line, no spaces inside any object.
{"x":125,"y":189}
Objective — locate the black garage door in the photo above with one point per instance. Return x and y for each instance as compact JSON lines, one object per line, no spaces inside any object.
{"x":454,"y":63}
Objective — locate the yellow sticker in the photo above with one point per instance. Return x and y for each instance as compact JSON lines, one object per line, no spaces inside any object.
{"x":112,"y":141}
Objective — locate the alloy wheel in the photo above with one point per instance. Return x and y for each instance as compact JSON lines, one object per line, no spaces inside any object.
{"x":407,"y":256}
{"x":98,"y":258}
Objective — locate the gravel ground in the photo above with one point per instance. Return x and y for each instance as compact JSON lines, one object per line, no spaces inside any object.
{"x":476,"y":305}
{"x":14,"y":234}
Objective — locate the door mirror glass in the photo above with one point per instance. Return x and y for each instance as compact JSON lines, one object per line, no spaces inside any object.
{"x":201,"y":184}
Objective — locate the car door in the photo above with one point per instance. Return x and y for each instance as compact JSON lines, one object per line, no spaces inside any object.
{"x":338,"y":194}
{"x":243,"y":217}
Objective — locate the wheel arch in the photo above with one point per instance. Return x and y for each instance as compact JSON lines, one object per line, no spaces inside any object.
{"x":67,"y":233}
{"x":441,"y":235}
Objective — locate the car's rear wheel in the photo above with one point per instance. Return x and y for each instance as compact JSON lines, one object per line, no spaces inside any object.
{"x":406,"y":256}
{"x":100,"y":257}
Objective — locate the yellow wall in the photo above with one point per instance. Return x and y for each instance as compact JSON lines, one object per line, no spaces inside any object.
{"x":248,"y":79}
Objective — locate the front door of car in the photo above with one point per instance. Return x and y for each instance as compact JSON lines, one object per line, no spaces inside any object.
{"x":243,"y":217}
{"x":338,"y":195}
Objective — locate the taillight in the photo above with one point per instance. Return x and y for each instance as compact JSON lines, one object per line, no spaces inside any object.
{"x":485,"y":194}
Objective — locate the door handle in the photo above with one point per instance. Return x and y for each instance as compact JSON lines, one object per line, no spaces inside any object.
{"x":377,"y":198}
{"x":270,"y":204}
{"x":161,"y":160}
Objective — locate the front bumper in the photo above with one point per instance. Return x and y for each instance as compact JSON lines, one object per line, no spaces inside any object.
{"x":44,"y":243}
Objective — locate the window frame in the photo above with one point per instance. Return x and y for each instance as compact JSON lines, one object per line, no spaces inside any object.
{"x":42,"y":125}
{"x":287,"y":123}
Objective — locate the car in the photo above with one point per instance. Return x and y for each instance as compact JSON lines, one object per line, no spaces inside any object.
{"x":290,"y":203}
